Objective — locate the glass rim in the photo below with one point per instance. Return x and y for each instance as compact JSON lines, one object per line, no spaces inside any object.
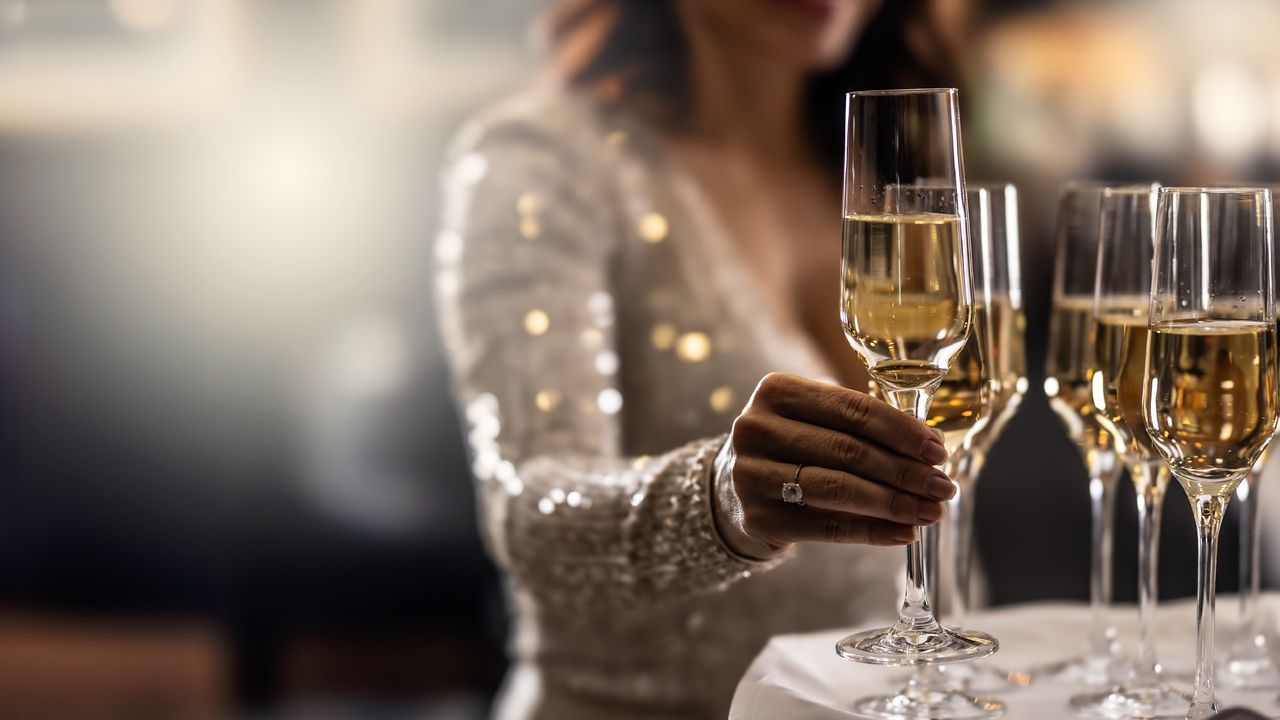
{"x":1213,"y":190}
{"x":1113,"y":190}
{"x":902,"y":91}
{"x":990,"y":185}
{"x":1101,"y":185}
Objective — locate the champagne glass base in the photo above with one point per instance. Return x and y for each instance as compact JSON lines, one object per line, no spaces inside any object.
{"x":929,"y":705}
{"x":1252,"y":671}
{"x":1151,"y":703}
{"x":983,"y":678}
{"x":894,"y":646}
{"x":1099,"y":672}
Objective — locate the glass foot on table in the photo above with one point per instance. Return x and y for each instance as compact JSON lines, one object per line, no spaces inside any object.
{"x":929,"y":705}
{"x":891,"y":646}
{"x":1256,"y":672}
{"x":1083,"y":671}
{"x":1160,"y":701}
{"x":983,"y":678}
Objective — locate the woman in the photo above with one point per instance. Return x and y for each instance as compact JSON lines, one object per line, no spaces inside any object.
{"x":626,"y":254}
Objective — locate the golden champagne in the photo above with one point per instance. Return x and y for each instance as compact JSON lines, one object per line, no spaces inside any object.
{"x":1008,"y":381}
{"x":902,"y":296}
{"x":963,"y":398}
{"x":984,"y":386}
{"x":1069,"y":367}
{"x":1118,"y":379}
{"x":1212,"y":399}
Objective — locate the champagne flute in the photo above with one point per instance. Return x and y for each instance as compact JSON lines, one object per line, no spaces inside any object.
{"x":999,"y":325}
{"x":1125,"y":247}
{"x":985,"y":388}
{"x":1249,"y":664}
{"x":972,"y":395}
{"x":1069,"y":367}
{"x":1209,"y":391}
{"x":907,"y":307}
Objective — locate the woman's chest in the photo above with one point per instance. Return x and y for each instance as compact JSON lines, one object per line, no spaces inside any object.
{"x":700,"y":321}
{"x":789,"y":244}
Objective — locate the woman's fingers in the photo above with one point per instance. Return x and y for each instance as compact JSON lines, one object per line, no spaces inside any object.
{"x":834,"y":490}
{"x":850,"y":412}
{"x":787,"y":523}
{"x":790,"y":441}
{"x":868,"y":471}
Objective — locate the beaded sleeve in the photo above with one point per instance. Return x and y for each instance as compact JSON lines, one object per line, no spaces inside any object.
{"x":523,"y":282}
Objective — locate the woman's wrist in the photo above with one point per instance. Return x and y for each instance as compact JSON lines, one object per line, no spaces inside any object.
{"x":726,"y":513}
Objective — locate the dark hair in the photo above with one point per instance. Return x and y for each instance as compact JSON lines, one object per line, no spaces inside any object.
{"x":634,"y":53}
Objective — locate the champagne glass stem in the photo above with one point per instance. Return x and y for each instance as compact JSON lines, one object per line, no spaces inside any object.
{"x":1102,"y":504}
{"x":960,"y":516}
{"x":1209,"y":509}
{"x":1250,"y":569}
{"x":931,"y":541}
{"x":914,"y":402}
{"x":916,"y":614}
{"x":1150,"y":480}
{"x":928,"y":677}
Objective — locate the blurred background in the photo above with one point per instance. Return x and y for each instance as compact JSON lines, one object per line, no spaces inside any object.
{"x":231,"y":478}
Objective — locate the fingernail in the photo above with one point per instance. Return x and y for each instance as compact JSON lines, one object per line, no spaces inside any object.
{"x":928,"y":512}
{"x":933,"y":452}
{"x":904,"y":533}
{"x":939,"y":487}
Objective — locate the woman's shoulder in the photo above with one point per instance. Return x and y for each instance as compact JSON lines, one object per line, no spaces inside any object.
{"x":545,"y":119}
{"x":543,"y":153}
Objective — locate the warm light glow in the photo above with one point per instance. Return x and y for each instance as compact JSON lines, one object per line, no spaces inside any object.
{"x":663,"y":336}
{"x":527,"y":204}
{"x":722,"y":399}
{"x":1229,"y":112}
{"x":288,"y":171}
{"x":536,"y":322}
{"x":530,"y":228}
{"x":693,"y":347}
{"x":591,"y":339}
{"x":144,"y":15}
{"x":547,"y":399}
{"x":653,"y":227}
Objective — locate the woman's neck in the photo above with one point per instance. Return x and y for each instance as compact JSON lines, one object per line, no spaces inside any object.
{"x":743,"y":99}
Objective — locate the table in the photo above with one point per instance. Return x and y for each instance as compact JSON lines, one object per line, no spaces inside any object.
{"x":799,"y":677}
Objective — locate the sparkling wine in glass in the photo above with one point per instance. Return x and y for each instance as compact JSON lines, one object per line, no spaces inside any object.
{"x":994,"y":380}
{"x":1069,"y":367}
{"x":975,"y":399}
{"x":975,"y":402}
{"x":907,"y":306}
{"x":1121,"y":304}
{"x":1249,"y":664}
{"x":1209,"y":384}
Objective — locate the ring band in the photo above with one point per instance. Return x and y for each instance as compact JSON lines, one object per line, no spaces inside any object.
{"x":791,"y":491}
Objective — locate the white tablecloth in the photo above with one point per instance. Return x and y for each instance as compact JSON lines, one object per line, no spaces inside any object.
{"x":799,"y":677}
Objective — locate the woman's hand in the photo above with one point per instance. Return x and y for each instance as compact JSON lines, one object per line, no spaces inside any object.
{"x":868,"y":473}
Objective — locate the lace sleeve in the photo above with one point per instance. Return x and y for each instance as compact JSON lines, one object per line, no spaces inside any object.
{"x":523,"y":284}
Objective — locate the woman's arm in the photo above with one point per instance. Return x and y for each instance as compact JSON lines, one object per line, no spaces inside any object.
{"x":525,"y":252}
{"x":523,"y":259}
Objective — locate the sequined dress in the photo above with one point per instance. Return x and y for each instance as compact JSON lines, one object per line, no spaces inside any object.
{"x":603,"y":336}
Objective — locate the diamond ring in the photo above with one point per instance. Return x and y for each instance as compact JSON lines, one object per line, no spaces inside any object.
{"x":791,"y":491}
